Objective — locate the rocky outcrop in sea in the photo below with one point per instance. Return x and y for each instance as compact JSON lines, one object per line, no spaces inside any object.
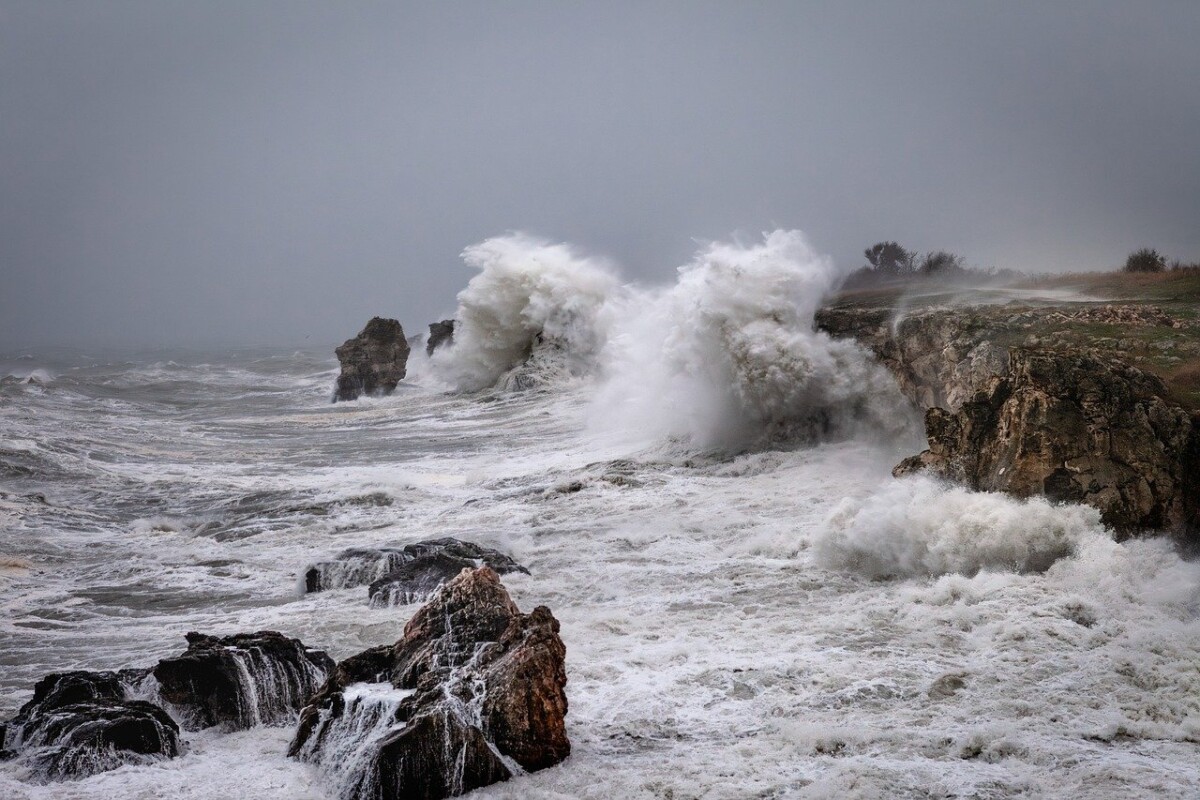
{"x":238,"y":682}
{"x":79,"y":724}
{"x":373,"y":362}
{"x":408,"y":574}
{"x":474,"y":693}
{"x":441,"y":334}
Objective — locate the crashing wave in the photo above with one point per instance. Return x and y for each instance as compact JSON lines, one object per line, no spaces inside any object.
{"x":728,"y":356}
{"x":535,"y":312}
{"x":919,"y":526}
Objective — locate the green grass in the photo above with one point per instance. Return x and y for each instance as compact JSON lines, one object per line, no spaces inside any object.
{"x":1173,"y":354}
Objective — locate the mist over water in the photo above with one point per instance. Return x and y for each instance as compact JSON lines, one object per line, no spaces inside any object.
{"x":700,"y":486}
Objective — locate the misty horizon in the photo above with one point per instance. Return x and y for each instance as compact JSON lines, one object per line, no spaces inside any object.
{"x":278,"y":173}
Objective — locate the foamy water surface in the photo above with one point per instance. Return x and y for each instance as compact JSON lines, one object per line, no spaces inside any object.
{"x":780,"y":619}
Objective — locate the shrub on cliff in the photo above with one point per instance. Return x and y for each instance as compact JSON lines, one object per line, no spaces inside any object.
{"x":890,"y":258}
{"x":941,"y":262}
{"x":1145,"y":260}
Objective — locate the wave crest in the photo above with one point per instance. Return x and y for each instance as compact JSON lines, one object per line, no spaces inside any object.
{"x":728,"y":356}
{"x":536,"y":308}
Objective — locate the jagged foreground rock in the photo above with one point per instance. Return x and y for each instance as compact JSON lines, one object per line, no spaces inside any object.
{"x":241,"y":681}
{"x":1074,"y":428}
{"x":471,"y":695}
{"x":373,"y":362}
{"x":406,"y":574}
{"x":1028,"y":419}
{"x":82,"y":723}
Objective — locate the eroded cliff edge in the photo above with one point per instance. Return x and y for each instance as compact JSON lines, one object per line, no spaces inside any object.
{"x":1081,"y":399}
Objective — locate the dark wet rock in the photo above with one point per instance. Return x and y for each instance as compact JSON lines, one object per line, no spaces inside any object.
{"x":360,"y":566}
{"x":1078,"y":428}
{"x":83,"y":723}
{"x":440,"y":334}
{"x":357,"y":566}
{"x":373,"y":362}
{"x":416,"y":580}
{"x":241,"y":681}
{"x":472,"y":694}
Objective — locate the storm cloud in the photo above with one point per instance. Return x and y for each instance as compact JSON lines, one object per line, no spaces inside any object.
{"x":277,"y":172}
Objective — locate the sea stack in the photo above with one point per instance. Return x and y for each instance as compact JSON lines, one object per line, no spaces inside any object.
{"x":440,"y":333}
{"x":372,"y":362}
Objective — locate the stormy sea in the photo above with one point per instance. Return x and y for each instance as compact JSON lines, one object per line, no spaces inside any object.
{"x":700,"y":487}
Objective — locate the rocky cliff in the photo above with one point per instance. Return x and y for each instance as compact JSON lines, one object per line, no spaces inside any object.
{"x":1046,"y":400}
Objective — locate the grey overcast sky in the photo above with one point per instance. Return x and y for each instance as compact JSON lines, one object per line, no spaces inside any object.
{"x":277,"y":172}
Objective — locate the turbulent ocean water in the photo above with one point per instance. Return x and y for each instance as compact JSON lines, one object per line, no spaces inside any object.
{"x":700,"y":487}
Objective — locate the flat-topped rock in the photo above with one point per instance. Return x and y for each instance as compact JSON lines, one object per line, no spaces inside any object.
{"x":241,"y":681}
{"x":361,"y":566}
{"x":441,"y":334}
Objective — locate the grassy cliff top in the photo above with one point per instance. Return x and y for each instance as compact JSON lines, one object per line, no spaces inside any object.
{"x":1151,"y":321}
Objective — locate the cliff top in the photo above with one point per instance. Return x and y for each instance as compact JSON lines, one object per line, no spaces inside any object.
{"x":1151,"y":321}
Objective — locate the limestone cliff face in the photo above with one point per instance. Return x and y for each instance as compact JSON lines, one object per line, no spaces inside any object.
{"x":939,"y":357}
{"x":1033,"y":419}
{"x":1073,"y":428}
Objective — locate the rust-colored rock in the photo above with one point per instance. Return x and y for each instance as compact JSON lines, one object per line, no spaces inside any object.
{"x":472,"y":694}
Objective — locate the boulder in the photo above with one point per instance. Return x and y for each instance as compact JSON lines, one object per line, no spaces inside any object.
{"x":359,"y":566}
{"x":473,"y":693}
{"x":1073,"y":427}
{"x":241,"y":681}
{"x":440,"y":333}
{"x":373,"y":362}
{"x":83,"y":723}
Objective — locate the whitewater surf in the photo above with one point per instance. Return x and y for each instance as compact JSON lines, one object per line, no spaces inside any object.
{"x":700,"y":487}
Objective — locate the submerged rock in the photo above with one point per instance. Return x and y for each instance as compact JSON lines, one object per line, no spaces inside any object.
{"x":357,"y":566}
{"x":360,"y":566}
{"x":440,"y":334}
{"x":1073,"y":427}
{"x":83,"y":723}
{"x":416,"y":580}
{"x":373,"y":362}
{"x":241,"y":681}
{"x":471,"y":695}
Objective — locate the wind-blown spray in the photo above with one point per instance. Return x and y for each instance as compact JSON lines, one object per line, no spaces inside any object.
{"x":728,"y":357}
{"x":534,"y":312}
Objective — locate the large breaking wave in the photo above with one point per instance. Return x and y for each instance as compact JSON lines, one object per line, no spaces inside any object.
{"x":725,"y":358}
{"x":535,"y":312}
